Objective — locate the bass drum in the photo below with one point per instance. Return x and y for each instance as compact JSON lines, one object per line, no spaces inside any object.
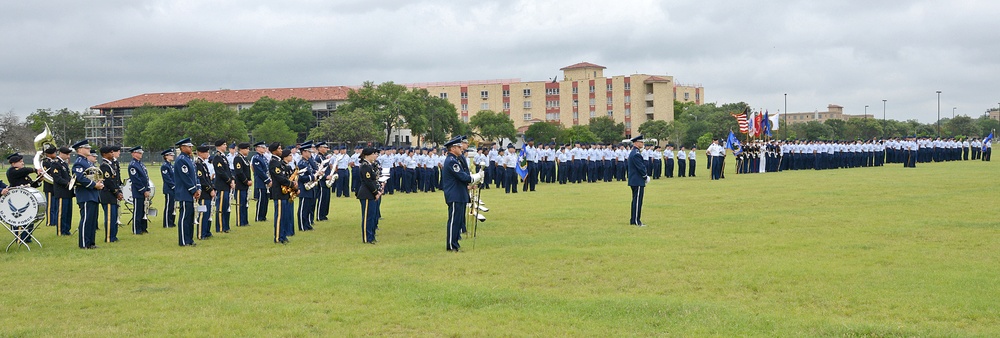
{"x":127,"y":191}
{"x":22,"y":206}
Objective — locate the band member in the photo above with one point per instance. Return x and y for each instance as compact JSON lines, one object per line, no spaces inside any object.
{"x":187,"y":189}
{"x":355,"y":165}
{"x":110,"y":195}
{"x":87,"y":195}
{"x":455,"y":180}
{"x":323,"y":197}
{"x":637,"y":180}
{"x":343,"y":184}
{"x":280,"y":173}
{"x":17,"y":175}
{"x":141,"y":193}
{"x":307,"y":197}
{"x":241,"y":171}
{"x":369,"y":191}
{"x":62,"y":193}
{"x":225,"y":183}
{"x":261,"y":179}
{"x":167,"y":173}
{"x":207,"y":192}
{"x":52,"y":204}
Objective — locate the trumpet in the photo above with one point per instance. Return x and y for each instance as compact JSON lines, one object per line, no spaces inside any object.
{"x":330,"y":182}
{"x":322,"y":169}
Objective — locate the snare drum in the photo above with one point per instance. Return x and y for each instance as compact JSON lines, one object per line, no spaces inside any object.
{"x":127,"y":191}
{"x":22,"y":206}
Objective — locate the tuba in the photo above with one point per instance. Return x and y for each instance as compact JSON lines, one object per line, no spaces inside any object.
{"x":43,"y":141}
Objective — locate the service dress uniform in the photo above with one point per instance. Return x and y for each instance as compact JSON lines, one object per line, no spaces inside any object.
{"x":455,"y":179}
{"x":307,"y":197}
{"x":243,"y":178}
{"x":224,"y":183}
{"x":204,"y":223}
{"x":368,"y":195}
{"x":110,"y":196}
{"x":63,"y":193}
{"x":139,"y":178}
{"x":637,"y":181}
{"x":280,"y":173}
{"x":186,"y":187}
{"x":261,"y":178}
{"x":169,"y":202}
{"x":87,"y":197}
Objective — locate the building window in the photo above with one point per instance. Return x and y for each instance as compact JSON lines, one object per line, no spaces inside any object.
{"x":465,"y":119}
{"x":628,"y":98}
{"x":444,"y":95}
{"x":611,"y":114}
{"x":527,"y":92}
{"x":575,"y":90}
{"x":552,"y":91}
{"x":593,"y":114}
{"x":484,"y":106}
{"x":628,"y":125}
{"x":552,"y":116}
{"x":591,"y":88}
{"x":506,"y":93}
{"x":527,"y":104}
{"x":576,"y":115}
{"x":484,"y":94}
{"x":465,"y":107}
{"x":628,"y":111}
{"x":609,"y":87}
{"x":697,"y":96}
{"x":552,"y":104}
{"x":610,"y":100}
{"x":687,"y":96}
{"x":628,"y":86}
{"x":527,"y":116}
{"x":576,"y":103}
{"x":506,"y":106}
{"x":592,"y":101}
{"x":465,"y":95}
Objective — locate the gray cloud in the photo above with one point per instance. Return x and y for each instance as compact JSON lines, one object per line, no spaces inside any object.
{"x":852,"y":53}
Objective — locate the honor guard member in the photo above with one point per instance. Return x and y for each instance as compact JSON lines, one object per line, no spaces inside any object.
{"x":110,"y":195}
{"x":455,"y":181}
{"x":637,"y":180}
{"x":692,"y":157}
{"x":167,"y":174}
{"x":369,"y":191}
{"x":307,"y":197}
{"x":139,"y":177}
{"x":715,"y":153}
{"x":17,"y":175}
{"x":261,"y":179}
{"x":87,"y":194}
{"x":323,"y":197}
{"x":355,"y":165}
{"x":224,"y":183}
{"x":62,"y":192}
{"x":242,"y":177}
{"x":51,"y":203}
{"x":204,"y":221}
{"x":187,"y":190}
{"x":682,"y":162}
{"x":280,"y":191}
{"x":510,"y":171}
{"x":343,"y":184}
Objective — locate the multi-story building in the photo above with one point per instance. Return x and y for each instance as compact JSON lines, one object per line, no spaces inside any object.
{"x":583,"y":93}
{"x":995,"y":114}
{"x":833,"y":112}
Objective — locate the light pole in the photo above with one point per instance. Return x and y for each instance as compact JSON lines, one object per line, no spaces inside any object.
{"x":953,"y":112}
{"x":939,"y":115}
{"x":866,"y":112}
{"x":785,"y":117}
{"x":883,"y":118}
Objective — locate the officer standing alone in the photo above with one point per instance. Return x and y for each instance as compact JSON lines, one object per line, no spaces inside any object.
{"x":637,"y":180}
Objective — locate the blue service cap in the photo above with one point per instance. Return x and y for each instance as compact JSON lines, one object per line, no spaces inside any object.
{"x":637,"y":139}
{"x":81,"y":144}
{"x":306,"y":146}
{"x":321,"y":144}
{"x":510,"y":146}
{"x":260,"y":144}
{"x":15,"y":157}
{"x":184,"y":142}
{"x":168,"y":152}
{"x":136,"y":149}
{"x":454,"y":141}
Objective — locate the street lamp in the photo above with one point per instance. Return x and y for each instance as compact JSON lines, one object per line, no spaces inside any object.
{"x":953,"y":112}
{"x":883,"y":118}
{"x":785,"y":117}
{"x":866,"y":112}
{"x":939,"y":114}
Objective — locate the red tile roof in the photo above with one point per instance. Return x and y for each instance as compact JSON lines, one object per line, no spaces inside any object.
{"x":229,"y":96}
{"x":583,"y":65}
{"x":654,"y":78}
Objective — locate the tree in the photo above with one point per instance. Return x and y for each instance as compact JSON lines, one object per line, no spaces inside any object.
{"x":493,"y":126}
{"x":136,"y":125}
{"x":962,"y":126}
{"x":986,"y":125}
{"x":658,"y":129}
{"x":202,"y":121}
{"x":704,"y":140}
{"x":813,"y":130}
{"x":295,"y":112}
{"x":433,"y":117}
{"x":67,"y":126}
{"x":544,"y":131}
{"x":15,"y":136}
{"x":342,"y":126}
{"x":275,"y":131}
{"x":607,"y":130}
{"x":388,"y":102}
{"x":577,"y":134}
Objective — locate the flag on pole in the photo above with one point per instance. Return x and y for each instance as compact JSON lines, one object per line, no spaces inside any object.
{"x":757,"y":118}
{"x":753,"y":128}
{"x":522,"y":162}
{"x":733,"y":143}
{"x":741,"y":120}
{"x":987,"y":140}
{"x":767,"y":124}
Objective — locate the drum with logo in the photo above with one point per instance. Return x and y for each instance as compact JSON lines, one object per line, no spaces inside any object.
{"x":127,"y":191}
{"x":22,"y":206}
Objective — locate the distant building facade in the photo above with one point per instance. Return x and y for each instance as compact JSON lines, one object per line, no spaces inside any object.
{"x":833,"y":112}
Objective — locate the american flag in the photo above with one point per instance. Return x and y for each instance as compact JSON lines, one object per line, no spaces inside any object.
{"x":741,"y":119}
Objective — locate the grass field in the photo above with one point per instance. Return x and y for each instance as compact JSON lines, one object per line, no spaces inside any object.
{"x":854,"y":252}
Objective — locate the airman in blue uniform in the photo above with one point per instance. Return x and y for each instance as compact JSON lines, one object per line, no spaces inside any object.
{"x":139,"y":177}
{"x":637,"y":180}
{"x":187,"y":190}
{"x":87,"y":194}
{"x":169,"y":202}
{"x":455,"y":181}
{"x":261,"y":179}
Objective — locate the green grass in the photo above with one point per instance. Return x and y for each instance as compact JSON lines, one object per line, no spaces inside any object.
{"x":855,"y":252}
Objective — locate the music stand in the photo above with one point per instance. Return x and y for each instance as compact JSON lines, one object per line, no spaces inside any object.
{"x":17,"y":231}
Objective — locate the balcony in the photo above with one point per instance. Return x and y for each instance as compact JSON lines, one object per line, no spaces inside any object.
{"x":649,"y":97}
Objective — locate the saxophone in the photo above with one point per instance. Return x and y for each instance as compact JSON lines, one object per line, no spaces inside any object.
{"x":293,"y":190}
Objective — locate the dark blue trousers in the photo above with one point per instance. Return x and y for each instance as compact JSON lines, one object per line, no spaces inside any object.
{"x":88,"y":223}
{"x":456,"y":222}
{"x":283,"y":226}
{"x":242,"y":216}
{"x":204,"y":223}
{"x":64,"y":216}
{"x":185,"y":230}
{"x":368,"y":220}
{"x":222,"y":211}
{"x":323,"y":202}
{"x":169,"y":218}
{"x":110,"y":222}
{"x":636,"y":215}
{"x":307,"y":206}
{"x":139,"y":225}
{"x":261,"y":194}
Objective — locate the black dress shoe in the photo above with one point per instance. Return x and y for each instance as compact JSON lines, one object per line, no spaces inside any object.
{"x":92,"y":247}
{"x":640,"y":224}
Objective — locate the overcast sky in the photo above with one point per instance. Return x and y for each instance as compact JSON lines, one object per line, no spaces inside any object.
{"x":78,"y":54}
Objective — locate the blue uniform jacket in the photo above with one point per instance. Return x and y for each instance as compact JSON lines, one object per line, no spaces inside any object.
{"x":139,"y":177}
{"x":636,"y":169}
{"x":185,"y":179}
{"x":455,"y":179}
{"x":260,"y":167}
{"x":85,"y":191}
{"x":167,"y":173}
{"x":306,"y":177}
